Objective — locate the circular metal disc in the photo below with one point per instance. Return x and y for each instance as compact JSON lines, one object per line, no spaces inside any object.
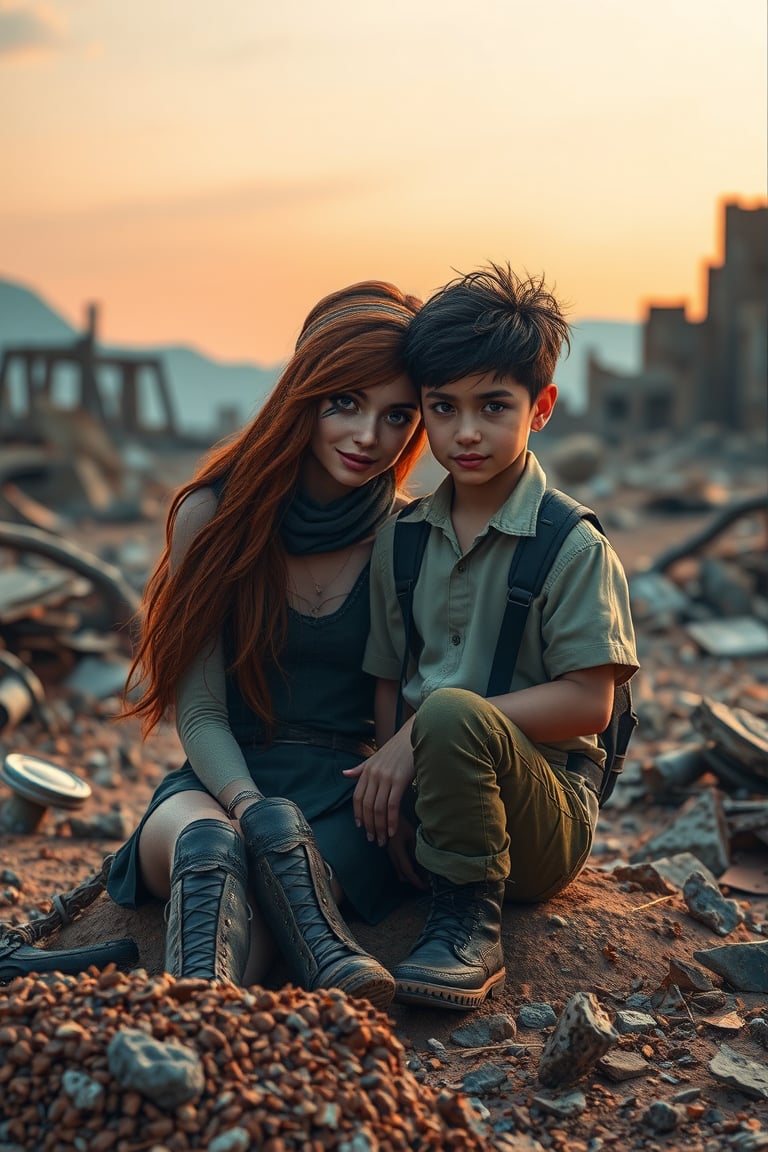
{"x":43,"y":782}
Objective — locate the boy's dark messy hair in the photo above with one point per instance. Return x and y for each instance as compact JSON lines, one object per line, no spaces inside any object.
{"x":487,"y":321}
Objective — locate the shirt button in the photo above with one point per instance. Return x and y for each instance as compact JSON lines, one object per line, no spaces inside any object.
{"x":461,"y":567}
{"x":455,"y":639}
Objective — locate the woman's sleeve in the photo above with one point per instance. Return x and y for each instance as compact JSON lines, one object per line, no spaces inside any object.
{"x":203,"y":724}
{"x":202,"y":721}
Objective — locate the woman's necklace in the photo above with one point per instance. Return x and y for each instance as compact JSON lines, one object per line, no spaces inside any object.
{"x":321,"y":588}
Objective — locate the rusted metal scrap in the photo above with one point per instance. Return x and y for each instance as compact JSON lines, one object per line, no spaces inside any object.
{"x":21,"y":694}
{"x":733,"y":512}
{"x":119,"y":596}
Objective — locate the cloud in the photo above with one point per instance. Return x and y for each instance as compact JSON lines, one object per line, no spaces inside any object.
{"x":250,"y":49}
{"x":27,"y":29}
{"x":250,"y":199}
{"x":263,"y":196}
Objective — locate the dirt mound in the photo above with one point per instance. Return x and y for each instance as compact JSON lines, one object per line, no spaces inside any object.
{"x":128,"y":1062}
{"x":595,"y":937}
{"x":600,"y":936}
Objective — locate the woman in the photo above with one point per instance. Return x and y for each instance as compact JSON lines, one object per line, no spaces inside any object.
{"x":253,"y":630}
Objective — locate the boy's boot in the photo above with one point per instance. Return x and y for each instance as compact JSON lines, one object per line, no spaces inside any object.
{"x":208,"y":933}
{"x":290,"y":880}
{"x":458,"y":960}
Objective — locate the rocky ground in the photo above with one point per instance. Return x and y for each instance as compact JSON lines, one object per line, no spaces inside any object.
{"x":626,"y":941}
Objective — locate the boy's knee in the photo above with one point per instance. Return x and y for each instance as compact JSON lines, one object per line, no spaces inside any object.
{"x":445,"y":714}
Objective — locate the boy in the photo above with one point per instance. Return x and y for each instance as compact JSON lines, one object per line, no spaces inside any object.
{"x":496,"y":807}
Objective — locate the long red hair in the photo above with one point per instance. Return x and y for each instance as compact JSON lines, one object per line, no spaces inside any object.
{"x":234,"y":571}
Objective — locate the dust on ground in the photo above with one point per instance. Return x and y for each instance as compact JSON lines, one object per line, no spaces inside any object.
{"x":603,"y":936}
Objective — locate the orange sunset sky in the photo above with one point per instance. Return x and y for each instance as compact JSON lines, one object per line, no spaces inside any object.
{"x":208,"y":170}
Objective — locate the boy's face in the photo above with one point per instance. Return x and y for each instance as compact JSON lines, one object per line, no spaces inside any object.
{"x":478,"y":426}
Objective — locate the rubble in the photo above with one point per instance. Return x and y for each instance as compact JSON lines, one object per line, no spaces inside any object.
{"x":747,"y":1075}
{"x":737,"y":736}
{"x":582,"y":1035}
{"x":706,"y":902}
{"x":294,"y":1065}
{"x":744,"y":966}
{"x":619,"y":1066}
{"x":621,"y":936}
{"x":699,"y":828}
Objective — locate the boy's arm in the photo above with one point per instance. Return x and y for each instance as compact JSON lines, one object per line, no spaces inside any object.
{"x":578,"y":703}
{"x":385,"y":709}
{"x":589,"y":645}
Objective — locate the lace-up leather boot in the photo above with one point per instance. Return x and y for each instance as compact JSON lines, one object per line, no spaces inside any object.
{"x":207,"y":933}
{"x":457,"y":961}
{"x":20,"y":959}
{"x":290,"y":881}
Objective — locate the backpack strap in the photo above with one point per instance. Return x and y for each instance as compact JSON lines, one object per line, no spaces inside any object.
{"x":409,"y":543}
{"x":532,"y":560}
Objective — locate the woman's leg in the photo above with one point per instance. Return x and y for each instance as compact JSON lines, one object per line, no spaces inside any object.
{"x":292,"y":884}
{"x":161,"y":831}
{"x":191,"y":855}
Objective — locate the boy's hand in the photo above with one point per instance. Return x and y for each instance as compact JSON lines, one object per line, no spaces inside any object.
{"x":381,"y":783}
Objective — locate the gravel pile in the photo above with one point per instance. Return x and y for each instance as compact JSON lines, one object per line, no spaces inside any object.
{"x":274,"y":1071}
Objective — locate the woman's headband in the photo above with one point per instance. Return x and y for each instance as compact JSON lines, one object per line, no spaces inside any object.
{"x":364,"y":308}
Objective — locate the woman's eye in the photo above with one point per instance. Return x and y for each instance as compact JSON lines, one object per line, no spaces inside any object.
{"x":343,"y":403}
{"x":399,"y":419}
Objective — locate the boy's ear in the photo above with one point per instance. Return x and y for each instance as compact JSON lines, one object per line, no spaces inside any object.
{"x":542,"y":409}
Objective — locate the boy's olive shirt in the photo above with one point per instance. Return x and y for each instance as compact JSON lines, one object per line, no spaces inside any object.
{"x":581,"y":618}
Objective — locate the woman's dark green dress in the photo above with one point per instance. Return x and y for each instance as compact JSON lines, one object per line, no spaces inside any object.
{"x":321,"y":690}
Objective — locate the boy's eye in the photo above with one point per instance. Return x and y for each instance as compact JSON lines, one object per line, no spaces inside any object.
{"x":442,"y":407}
{"x":495,"y":406}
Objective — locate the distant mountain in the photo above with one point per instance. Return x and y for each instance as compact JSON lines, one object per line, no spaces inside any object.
{"x":202,"y":386}
{"x":25,"y":318}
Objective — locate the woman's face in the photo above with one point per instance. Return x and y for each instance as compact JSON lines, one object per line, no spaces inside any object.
{"x":358,"y":435}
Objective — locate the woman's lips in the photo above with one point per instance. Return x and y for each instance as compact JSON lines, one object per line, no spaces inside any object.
{"x":356,"y":463}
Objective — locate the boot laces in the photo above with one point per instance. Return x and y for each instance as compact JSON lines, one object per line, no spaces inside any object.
{"x":203,"y":890}
{"x":452,"y":916}
{"x":292,"y":869}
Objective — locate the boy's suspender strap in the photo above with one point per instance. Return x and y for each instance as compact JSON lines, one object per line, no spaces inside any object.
{"x":533,"y":557}
{"x":409,"y":542}
{"x":531,"y":562}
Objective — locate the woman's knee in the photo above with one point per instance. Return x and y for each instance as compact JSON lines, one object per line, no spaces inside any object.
{"x":161,"y":831}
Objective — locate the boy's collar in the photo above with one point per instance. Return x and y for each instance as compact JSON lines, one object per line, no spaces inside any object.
{"x":515,"y":517}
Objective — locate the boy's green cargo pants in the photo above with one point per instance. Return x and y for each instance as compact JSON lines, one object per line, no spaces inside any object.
{"x":489,"y":806}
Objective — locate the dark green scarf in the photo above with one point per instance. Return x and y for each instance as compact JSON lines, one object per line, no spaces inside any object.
{"x":309,"y":527}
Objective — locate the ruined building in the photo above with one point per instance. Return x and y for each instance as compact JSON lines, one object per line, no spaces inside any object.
{"x":715,"y":370}
{"x":125,"y":395}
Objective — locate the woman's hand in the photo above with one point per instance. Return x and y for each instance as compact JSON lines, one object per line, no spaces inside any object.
{"x":381,"y":784}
